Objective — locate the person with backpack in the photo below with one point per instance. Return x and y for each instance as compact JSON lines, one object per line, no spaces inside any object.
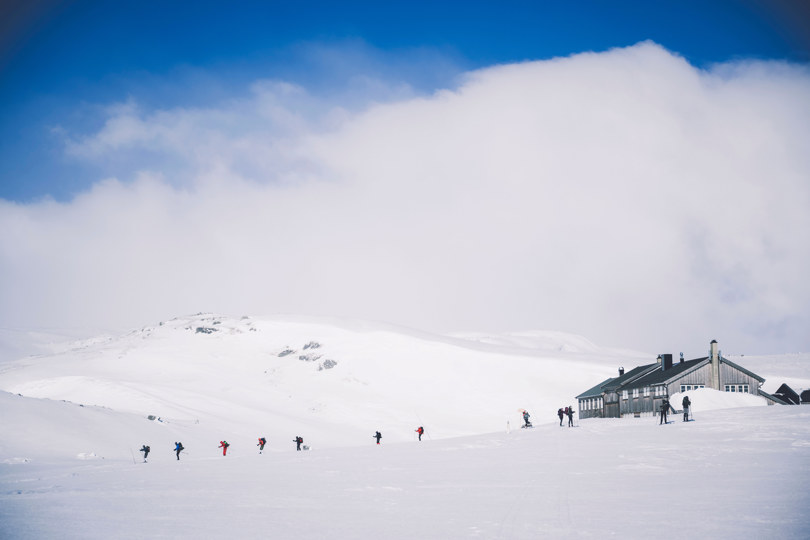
{"x":686,"y":404}
{"x":178,"y":447}
{"x":664,"y":410}
{"x":298,"y":440}
{"x":262,"y":442}
{"x":420,"y":430}
{"x":377,"y":436}
{"x":561,"y":414}
{"x":569,"y":411}
{"x":224,"y":445}
{"x":526,"y":422}
{"x":145,"y":449}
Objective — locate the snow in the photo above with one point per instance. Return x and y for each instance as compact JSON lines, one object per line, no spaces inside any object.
{"x":71,"y":469}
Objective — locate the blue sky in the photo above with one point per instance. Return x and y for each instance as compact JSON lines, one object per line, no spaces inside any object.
{"x":59,"y":61}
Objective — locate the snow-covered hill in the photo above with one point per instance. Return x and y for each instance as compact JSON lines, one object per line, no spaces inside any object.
{"x":335,"y":381}
{"x":73,"y":419}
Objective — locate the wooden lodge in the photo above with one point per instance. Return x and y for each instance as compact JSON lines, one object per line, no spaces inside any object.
{"x":641,"y":390}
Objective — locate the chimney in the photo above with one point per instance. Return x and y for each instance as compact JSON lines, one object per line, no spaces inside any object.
{"x":681,"y":358}
{"x":715,"y":359}
{"x":621,"y":371}
{"x":666,"y":361}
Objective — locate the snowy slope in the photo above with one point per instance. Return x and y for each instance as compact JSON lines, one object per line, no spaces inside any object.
{"x":70,"y":468}
{"x":733,"y":473}
{"x":337,"y":382}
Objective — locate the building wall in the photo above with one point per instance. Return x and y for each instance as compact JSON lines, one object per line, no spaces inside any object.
{"x":596,"y":411}
{"x":699,"y":376}
{"x":731,"y":375}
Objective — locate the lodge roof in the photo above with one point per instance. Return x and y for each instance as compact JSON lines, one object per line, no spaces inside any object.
{"x":660,"y":376}
{"x":614,"y":383}
{"x":596,"y":390}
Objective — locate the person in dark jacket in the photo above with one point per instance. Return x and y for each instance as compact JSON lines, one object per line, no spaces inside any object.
{"x":561,"y":414}
{"x":377,"y":436}
{"x":178,"y":447}
{"x":686,"y":404}
{"x":145,"y":449}
{"x":298,"y":440}
{"x":664,"y":409}
{"x":570,"y":412}
{"x":526,"y":422}
{"x":262,"y":442}
{"x":420,"y":430}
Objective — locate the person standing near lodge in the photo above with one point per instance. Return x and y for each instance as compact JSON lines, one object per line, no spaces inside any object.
{"x":561,"y":414}
{"x":686,"y":404}
{"x":570,"y":412}
{"x":420,"y":430}
{"x":377,"y":436}
{"x":664,"y":409}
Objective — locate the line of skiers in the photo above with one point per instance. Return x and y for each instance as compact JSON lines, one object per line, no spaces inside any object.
{"x":569,"y":412}
{"x":298,"y":440}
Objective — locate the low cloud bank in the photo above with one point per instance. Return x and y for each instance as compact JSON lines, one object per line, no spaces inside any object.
{"x":626,"y":196}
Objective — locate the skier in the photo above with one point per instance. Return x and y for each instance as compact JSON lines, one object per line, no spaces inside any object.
{"x":224,"y":445}
{"x":526,"y":415}
{"x":377,"y":436}
{"x":178,"y":447}
{"x":664,"y":409}
{"x":561,"y":414}
{"x":686,"y":404}
{"x":298,"y":440}
{"x":145,"y":449}
{"x":570,"y":412}
{"x":262,"y":442}
{"x":420,"y":430}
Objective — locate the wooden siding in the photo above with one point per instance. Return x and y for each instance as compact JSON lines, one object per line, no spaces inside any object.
{"x":699,"y":376}
{"x":728,"y":375}
{"x":731,"y":375}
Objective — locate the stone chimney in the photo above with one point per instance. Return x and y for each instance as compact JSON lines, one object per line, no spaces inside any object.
{"x":715,"y":359}
{"x":621,"y":371}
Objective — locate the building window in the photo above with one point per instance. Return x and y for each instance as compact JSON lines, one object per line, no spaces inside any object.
{"x":687,"y":387}
{"x":624,"y":394}
{"x":635,"y":393}
{"x":646,"y":391}
{"x":740,"y":388}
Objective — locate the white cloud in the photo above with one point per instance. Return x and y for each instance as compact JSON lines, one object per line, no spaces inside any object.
{"x":625,"y":195}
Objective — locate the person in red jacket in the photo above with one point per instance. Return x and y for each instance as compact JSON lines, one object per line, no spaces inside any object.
{"x":420,"y":430}
{"x":262,"y":442}
{"x":224,"y":445}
